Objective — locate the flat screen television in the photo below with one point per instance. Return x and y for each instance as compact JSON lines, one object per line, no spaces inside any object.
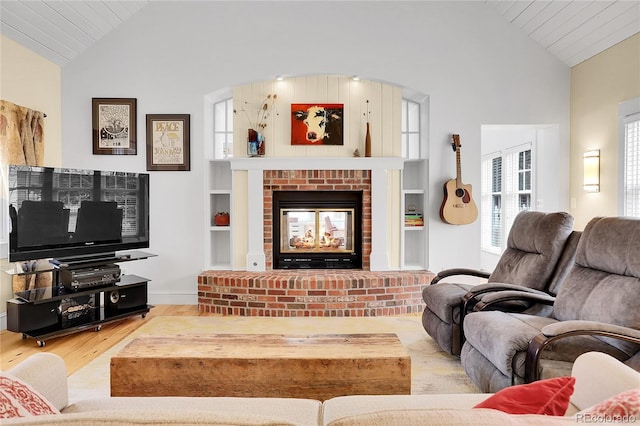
{"x":72,"y":213}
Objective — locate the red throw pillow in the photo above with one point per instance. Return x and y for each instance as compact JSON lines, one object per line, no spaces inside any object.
{"x":550,"y":397}
{"x":18,"y":399}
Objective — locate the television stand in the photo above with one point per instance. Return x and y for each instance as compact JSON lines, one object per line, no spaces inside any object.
{"x":99,"y":259}
{"x":62,"y":309}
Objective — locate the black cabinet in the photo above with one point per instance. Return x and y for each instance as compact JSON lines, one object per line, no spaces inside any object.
{"x":63,"y":309}
{"x":23,"y":316}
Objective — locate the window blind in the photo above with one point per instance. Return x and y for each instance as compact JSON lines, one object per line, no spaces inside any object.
{"x":490,"y":203}
{"x":510,"y":202}
{"x":632,"y":165}
{"x":506,"y":190}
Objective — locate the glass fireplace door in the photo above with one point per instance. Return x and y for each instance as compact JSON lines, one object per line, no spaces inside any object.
{"x":316,"y":230}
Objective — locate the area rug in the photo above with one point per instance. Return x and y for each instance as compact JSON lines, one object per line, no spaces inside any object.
{"x":432,"y":370}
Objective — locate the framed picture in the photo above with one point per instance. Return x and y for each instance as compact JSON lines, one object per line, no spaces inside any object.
{"x":114,"y":126}
{"x":168,"y":142}
{"x":317,"y":124}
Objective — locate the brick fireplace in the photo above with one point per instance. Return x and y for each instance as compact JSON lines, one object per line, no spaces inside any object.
{"x":377,"y":289}
{"x":317,"y":180}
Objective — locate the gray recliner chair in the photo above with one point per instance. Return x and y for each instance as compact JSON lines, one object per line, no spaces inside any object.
{"x":597,"y":309}
{"x":531,"y":260}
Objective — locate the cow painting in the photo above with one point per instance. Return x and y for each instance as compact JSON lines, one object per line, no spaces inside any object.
{"x":316,"y":124}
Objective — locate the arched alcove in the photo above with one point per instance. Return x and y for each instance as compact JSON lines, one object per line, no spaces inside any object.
{"x":373,"y":101}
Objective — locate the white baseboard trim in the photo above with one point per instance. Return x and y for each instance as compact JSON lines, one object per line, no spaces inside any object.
{"x":3,"y":320}
{"x":172,"y":299}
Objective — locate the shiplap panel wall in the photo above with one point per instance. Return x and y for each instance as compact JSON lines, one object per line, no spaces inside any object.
{"x":384,"y":107}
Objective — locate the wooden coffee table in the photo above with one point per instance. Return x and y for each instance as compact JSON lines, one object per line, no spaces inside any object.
{"x":258,"y":365}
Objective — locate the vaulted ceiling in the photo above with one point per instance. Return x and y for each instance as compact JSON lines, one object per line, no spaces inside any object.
{"x":61,"y":30}
{"x":571,"y":30}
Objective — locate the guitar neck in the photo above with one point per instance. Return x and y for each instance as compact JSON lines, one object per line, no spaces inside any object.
{"x":458,"y":169}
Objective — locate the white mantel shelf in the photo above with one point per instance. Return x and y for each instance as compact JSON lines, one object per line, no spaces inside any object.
{"x":318,"y":163}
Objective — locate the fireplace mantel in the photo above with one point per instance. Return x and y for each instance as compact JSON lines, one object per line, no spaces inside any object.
{"x":316,"y":163}
{"x":379,"y":167}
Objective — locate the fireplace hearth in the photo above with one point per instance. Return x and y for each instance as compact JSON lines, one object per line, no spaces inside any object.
{"x":317,"y":229}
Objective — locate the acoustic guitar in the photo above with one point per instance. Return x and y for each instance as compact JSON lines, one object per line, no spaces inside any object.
{"x":458,"y":207}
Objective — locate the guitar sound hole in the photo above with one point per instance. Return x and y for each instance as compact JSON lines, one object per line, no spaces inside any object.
{"x":459,"y":192}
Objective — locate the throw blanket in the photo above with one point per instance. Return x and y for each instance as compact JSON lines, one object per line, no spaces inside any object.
{"x":21,"y":134}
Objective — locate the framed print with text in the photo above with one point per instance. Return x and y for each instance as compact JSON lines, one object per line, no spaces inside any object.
{"x":168,"y":140}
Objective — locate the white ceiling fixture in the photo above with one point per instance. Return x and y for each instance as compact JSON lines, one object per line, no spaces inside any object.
{"x":571,"y":30}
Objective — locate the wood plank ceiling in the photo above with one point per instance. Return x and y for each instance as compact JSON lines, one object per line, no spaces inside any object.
{"x":572,"y":30}
{"x":61,"y":30}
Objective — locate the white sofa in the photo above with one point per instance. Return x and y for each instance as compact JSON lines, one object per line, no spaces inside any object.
{"x":598,"y":377}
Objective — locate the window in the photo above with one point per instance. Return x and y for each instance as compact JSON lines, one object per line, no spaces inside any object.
{"x":496,"y":202}
{"x":410,"y":129}
{"x":629,"y":118}
{"x":522,"y":187}
{"x":223,"y":128}
{"x":507,"y":189}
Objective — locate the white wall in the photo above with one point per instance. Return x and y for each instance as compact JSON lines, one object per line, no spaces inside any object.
{"x":476,"y":68}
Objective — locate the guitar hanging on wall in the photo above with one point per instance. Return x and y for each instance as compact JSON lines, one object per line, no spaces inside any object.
{"x":458,"y":207}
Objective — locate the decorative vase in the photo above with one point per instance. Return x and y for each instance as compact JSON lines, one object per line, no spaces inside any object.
{"x":221,"y":219}
{"x":367,"y":143}
{"x":255,"y":144}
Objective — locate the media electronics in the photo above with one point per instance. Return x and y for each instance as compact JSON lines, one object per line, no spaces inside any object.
{"x":72,"y":213}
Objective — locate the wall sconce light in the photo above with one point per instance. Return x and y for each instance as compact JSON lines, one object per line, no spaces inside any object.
{"x":591,"y":182}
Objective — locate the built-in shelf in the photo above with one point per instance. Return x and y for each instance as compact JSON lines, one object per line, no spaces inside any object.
{"x":219,"y":199}
{"x":414,"y":205}
{"x":219,"y":240}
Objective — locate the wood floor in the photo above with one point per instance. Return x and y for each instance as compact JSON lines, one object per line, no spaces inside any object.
{"x":81,"y":348}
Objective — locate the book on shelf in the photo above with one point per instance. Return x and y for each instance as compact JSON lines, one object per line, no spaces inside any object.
{"x":413,"y":219}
